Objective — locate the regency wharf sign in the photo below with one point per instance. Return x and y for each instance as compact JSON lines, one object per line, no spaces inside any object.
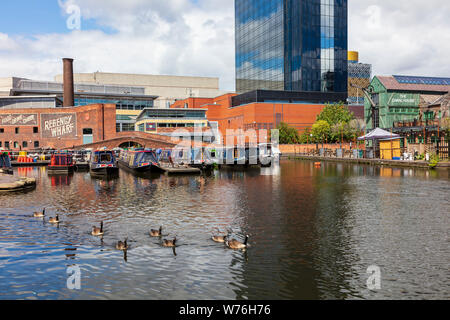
{"x":58,"y":125}
{"x":22,"y":119}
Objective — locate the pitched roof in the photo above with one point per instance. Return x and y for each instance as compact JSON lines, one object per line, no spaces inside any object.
{"x":391,"y":83}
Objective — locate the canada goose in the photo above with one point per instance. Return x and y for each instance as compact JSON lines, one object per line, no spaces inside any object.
{"x":39,"y":214}
{"x":234,"y":244}
{"x":54,"y":220}
{"x":122,"y":245}
{"x":221,"y":239}
{"x":170,"y":243}
{"x":156,"y":233}
{"x":98,"y":231}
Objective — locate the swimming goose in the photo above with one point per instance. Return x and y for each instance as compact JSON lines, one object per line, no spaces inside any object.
{"x":170,"y":243}
{"x":156,"y":233}
{"x":221,"y":239}
{"x":234,"y":244}
{"x":122,"y":245}
{"x":54,"y":220}
{"x":39,"y":214}
{"x":98,"y":231}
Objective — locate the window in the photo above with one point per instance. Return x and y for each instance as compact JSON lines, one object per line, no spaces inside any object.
{"x":25,"y":144}
{"x":17,"y":130}
{"x":6,"y":145}
{"x":36,"y":144}
{"x":118,"y":129}
{"x":16,"y":145}
{"x":87,"y":131}
{"x":127,"y":127}
{"x":35,"y":130}
{"x":2,"y":130}
{"x":0,"y":144}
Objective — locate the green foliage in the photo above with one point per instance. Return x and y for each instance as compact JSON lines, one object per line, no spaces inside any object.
{"x":336,"y":114}
{"x":288,"y":135}
{"x":342,"y":124}
{"x":321,"y":130}
{"x":434,"y":160}
{"x":306,"y":137}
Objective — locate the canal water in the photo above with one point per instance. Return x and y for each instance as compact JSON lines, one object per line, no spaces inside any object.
{"x":313,"y":234}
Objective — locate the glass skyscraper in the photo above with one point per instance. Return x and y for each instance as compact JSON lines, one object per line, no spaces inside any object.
{"x":291,"y":45}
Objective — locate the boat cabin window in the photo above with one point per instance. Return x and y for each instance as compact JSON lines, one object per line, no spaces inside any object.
{"x":105,"y":158}
{"x":145,"y":157}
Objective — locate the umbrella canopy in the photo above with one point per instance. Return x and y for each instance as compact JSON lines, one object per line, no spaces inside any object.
{"x":379,"y":134}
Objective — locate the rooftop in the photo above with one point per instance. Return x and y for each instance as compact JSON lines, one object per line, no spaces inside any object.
{"x":411,"y":83}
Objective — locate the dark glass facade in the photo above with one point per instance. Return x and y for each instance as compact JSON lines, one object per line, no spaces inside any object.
{"x":292,"y":45}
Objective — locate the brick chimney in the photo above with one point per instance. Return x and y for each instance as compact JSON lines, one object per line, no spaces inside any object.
{"x":68,"y":95}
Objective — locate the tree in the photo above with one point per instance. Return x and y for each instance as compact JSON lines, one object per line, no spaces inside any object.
{"x":341,"y":122}
{"x":336,"y":113}
{"x":288,"y":135}
{"x":321,"y":130}
{"x":306,"y":136}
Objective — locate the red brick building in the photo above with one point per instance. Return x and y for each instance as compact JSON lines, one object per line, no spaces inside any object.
{"x":255,"y":115}
{"x":25,"y":129}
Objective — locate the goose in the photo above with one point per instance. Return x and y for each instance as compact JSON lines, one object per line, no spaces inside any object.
{"x":54,"y":220}
{"x":170,"y":243}
{"x":122,"y":245}
{"x":156,"y":233}
{"x":39,"y":214}
{"x":221,"y":239}
{"x":98,"y":231}
{"x":234,"y":244}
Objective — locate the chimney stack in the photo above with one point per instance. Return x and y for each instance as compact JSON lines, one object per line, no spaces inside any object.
{"x":68,"y":95}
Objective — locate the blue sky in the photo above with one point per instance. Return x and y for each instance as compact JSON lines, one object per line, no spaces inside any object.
{"x":33,"y":17}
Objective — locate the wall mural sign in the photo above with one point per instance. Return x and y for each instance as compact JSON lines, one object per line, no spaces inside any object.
{"x":58,"y":125}
{"x":22,"y":119}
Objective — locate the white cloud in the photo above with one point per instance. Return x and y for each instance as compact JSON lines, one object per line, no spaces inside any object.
{"x":173,"y":37}
{"x":410,"y":37}
{"x":179,"y":37}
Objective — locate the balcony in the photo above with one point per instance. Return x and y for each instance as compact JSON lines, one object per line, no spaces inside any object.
{"x":416,"y":123}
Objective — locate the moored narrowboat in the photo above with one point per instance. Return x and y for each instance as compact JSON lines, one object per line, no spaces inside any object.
{"x":5,"y":163}
{"x":103,"y":163}
{"x":61,"y":163}
{"x":140,"y":161}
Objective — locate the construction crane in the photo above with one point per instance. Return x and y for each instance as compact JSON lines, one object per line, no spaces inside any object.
{"x":374,"y":108}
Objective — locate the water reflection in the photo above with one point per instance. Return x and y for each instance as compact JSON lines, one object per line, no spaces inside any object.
{"x":313,"y":233}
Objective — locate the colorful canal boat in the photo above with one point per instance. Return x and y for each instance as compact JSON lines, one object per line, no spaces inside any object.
{"x":103,"y":164}
{"x":61,"y":163}
{"x":140,"y":161}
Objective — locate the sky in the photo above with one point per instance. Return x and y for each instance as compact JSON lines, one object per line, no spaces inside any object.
{"x":196,"y":37}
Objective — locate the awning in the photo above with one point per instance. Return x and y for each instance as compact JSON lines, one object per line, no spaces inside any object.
{"x":379,"y":134}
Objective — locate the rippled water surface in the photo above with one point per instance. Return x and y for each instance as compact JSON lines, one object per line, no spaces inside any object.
{"x":313,"y":234}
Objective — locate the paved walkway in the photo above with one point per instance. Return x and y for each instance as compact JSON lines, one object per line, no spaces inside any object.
{"x":393,"y":163}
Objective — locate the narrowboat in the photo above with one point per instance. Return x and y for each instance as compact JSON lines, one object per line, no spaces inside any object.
{"x":267,"y":154}
{"x":5,"y":163}
{"x":103,"y":163}
{"x":81,"y":161}
{"x":61,"y":163}
{"x":140,"y":161}
{"x":193,"y":157}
